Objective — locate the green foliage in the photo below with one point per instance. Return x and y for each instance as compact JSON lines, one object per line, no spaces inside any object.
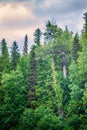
{"x":32,"y":77}
{"x":14,"y":99}
{"x":50,"y":122}
{"x":23,"y":66}
{"x":76,"y":47}
{"x":82,"y":65}
{"x":39,"y":119}
{"x":14,"y":55}
{"x":51,"y":30}
{"x":0,"y":69}
{"x":48,"y":87}
{"x":5,"y":63}
{"x":85,"y":25}
{"x":25,"y":47}
{"x":72,"y":123}
{"x":37,"y":36}
{"x":44,"y":90}
{"x":27,"y":121}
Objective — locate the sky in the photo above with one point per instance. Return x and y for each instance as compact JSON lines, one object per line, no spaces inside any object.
{"x":21,"y":17}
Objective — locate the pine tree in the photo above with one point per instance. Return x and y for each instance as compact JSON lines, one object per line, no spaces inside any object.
{"x":14,"y":55}
{"x":85,"y":25}
{"x":82,"y":59}
{"x":0,"y":69}
{"x":76,"y":47}
{"x":5,"y":57}
{"x":51,"y":30}
{"x":37,"y":36}
{"x":32,"y":77}
{"x":25,"y":48}
{"x":4,"y":65}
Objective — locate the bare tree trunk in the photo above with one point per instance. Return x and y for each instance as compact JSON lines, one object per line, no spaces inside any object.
{"x":64,"y":70}
{"x":64,"y":65}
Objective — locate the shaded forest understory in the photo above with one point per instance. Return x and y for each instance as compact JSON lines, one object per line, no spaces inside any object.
{"x":47,"y":88}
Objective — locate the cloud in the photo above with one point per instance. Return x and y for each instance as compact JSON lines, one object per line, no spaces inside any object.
{"x":16,"y":20}
{"x":65,"y":12}
{"x":59,"y":7}
{"x":7,"y":1}
{"x":18,"y":17}
{"x":12,"y":15}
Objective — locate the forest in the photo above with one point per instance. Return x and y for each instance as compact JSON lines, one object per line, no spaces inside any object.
{"x":45,"y":88}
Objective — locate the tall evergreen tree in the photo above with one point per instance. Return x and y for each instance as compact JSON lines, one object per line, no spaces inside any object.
{"x":5,"y":57}
{"x":14,"y":55}
{"x":4,"y":65}
{"x":25,"y":47}
{"x":76,"y":47}
{"x":0,"y":69}
{"x":37,"y":36}
{"x":51,"y":30}
{"x":32,"y":77}
{"x":85,"y":25}
{"x":82,"y":59}
{"x":83,"y":39}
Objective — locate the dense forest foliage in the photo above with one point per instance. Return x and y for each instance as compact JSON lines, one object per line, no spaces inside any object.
{"x":45,"y":89}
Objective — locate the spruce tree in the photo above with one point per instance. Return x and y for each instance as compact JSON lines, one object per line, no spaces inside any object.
{"x":5,"y":57}
{"x":32,"y":77}
{"x":82,"y":59}
{"x":0,"y":69}
{"x":25,"y":47}
{"x":4,"y":65}
{"x":85,"y":25}
{"x":50,"y":31}
{"x":76,"y":47}
{"x":37,"y":36}
{"x":14,"y":55}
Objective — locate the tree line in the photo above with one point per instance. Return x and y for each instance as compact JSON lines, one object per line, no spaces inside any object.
{"x":47,"y":87}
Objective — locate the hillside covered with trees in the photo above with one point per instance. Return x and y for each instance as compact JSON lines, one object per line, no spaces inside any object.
{"x":45,"y":89}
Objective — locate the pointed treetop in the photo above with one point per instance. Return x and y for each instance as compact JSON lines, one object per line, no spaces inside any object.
{"x":66,"y":28}
{"x":85,"y":18}
{"x":25,"y":47}
{"x":37,"y":36}
{"x":76,"y":37}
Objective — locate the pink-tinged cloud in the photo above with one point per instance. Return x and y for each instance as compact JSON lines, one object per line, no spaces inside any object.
{"x":18,"y":17}
{"x":16,"y":20}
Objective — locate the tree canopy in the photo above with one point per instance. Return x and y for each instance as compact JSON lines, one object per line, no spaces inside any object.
{"x":47,"y":87}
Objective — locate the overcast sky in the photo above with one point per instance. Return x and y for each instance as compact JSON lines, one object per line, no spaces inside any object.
{"x":20,"y":17}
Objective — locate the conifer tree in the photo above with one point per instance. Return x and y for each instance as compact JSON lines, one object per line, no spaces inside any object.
{"x":82,"y":59}
{"x":25,"y":47}
{"x":5,"y":57}
{"x":32,"y":77}
{"x":85,"y":25}
{"x":51,"y":30}
{"x":14,"y":55}
{"x":0,"y":69}
{"x":37,"y":36}
{"x":4,"y":65}
{"x":76,"y":47}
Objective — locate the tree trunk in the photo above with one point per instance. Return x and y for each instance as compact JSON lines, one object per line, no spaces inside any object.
{"x":64,"y":65}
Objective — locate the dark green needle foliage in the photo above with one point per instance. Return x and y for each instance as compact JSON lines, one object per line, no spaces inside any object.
{"x":51,"y":30}
{"x":25,"y":47}
{"x":37,"y":36}
{"x":5,"y":62}
{"x":15,"y":55}
{"x":76,"y":47}
{"x":32,"y":77}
